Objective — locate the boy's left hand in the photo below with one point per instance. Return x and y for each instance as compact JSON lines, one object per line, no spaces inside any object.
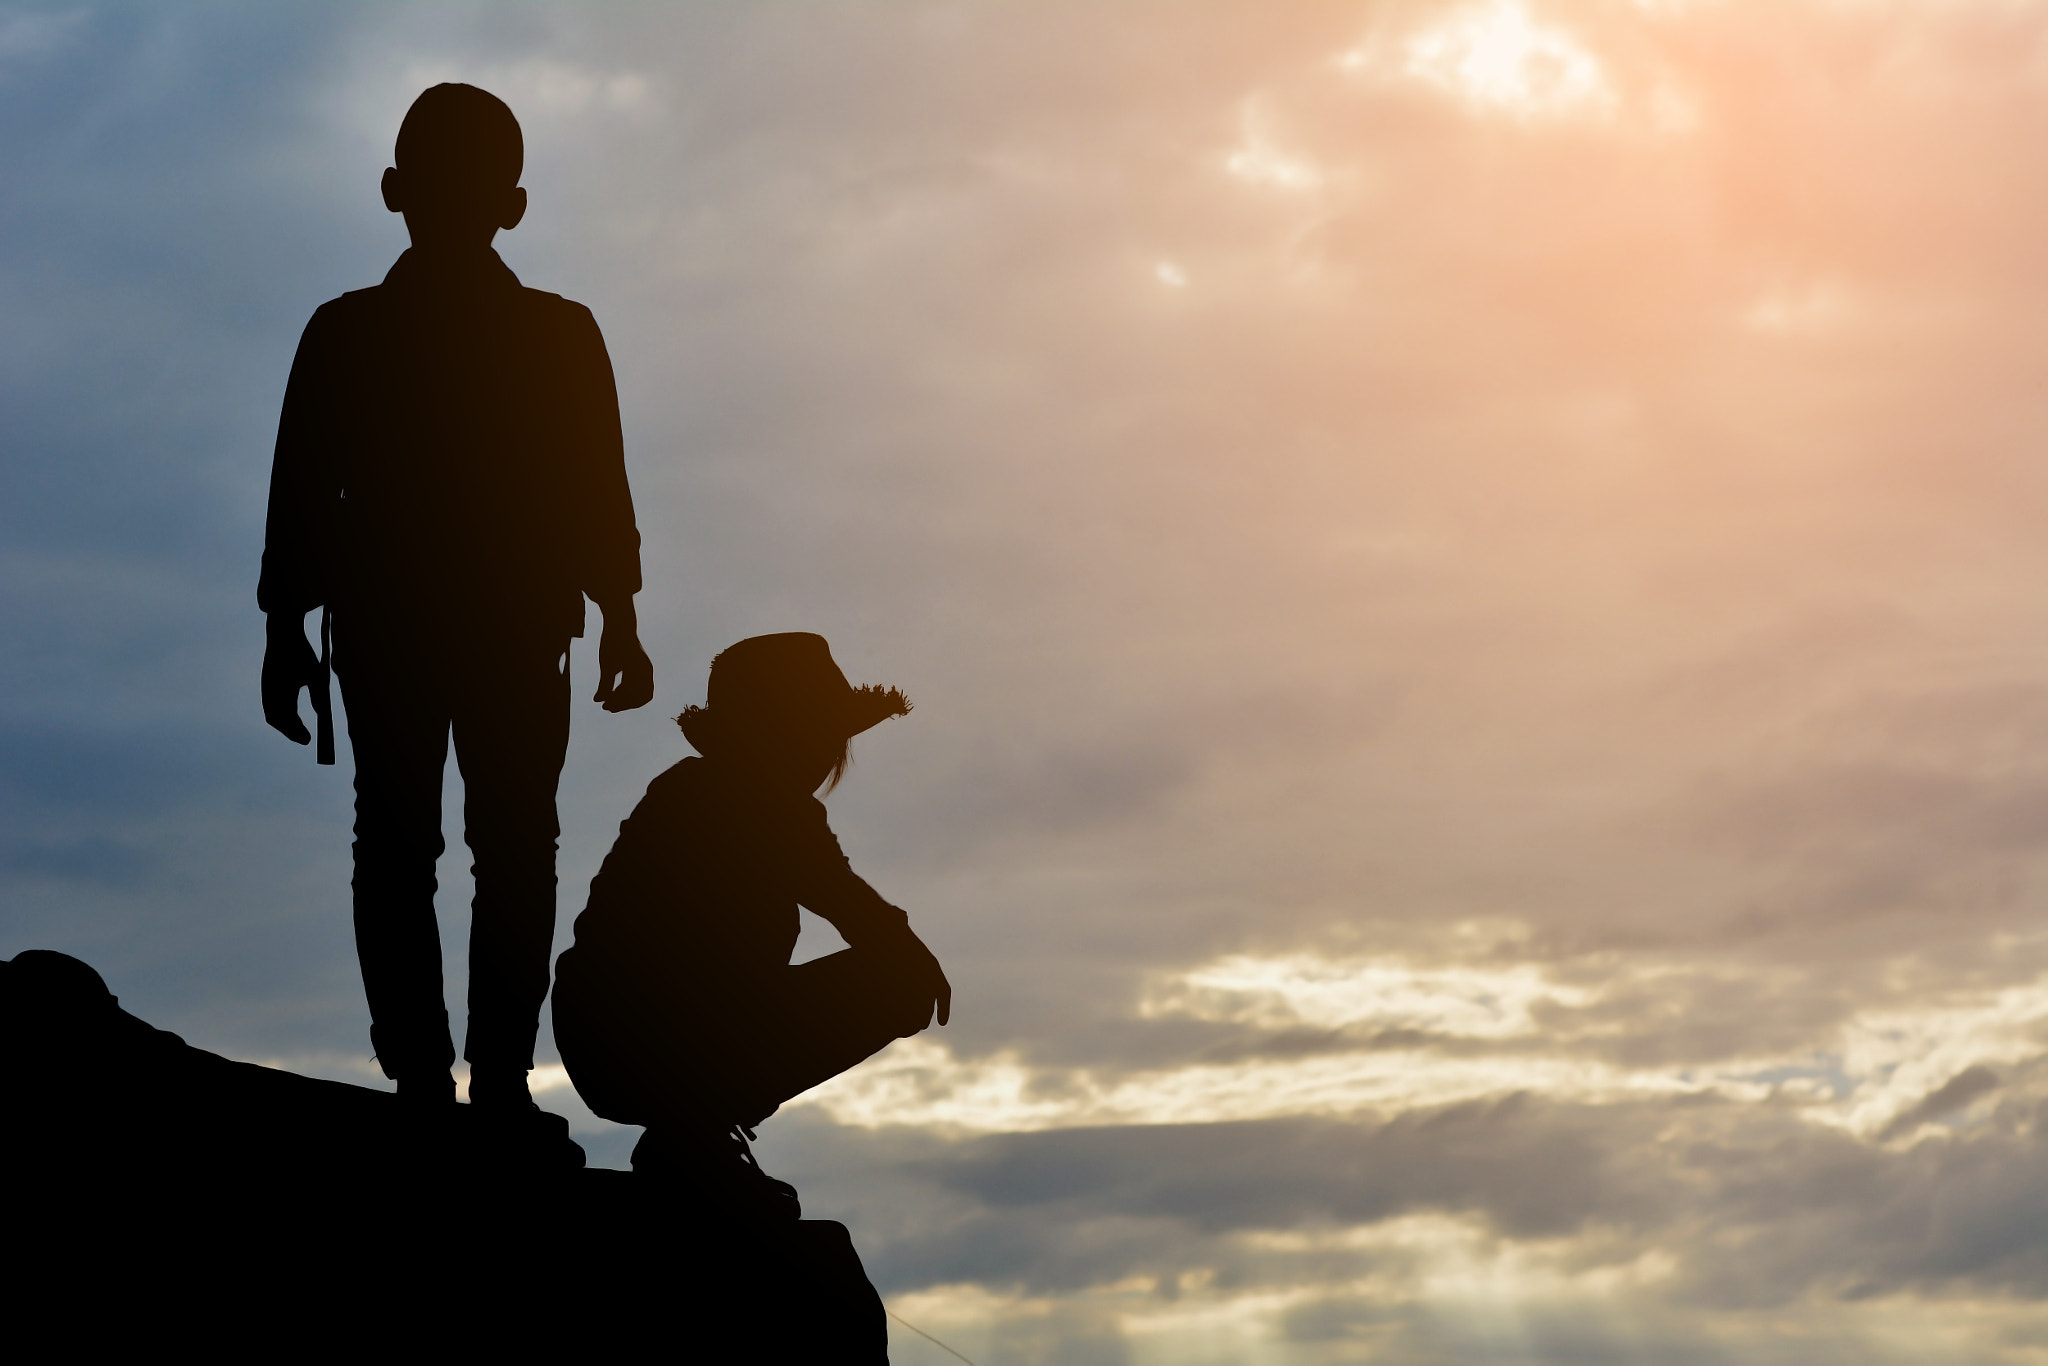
{"x":625,"y":675}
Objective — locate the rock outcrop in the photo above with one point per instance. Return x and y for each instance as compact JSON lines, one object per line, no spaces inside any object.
{"x":162,"y":1197}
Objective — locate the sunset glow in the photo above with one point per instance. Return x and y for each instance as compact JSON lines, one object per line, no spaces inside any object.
{"x":1473,"y":574}
{"x":1497,"y":54}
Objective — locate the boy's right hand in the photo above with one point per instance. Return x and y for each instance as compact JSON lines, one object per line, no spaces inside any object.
{"x":289,"y":665}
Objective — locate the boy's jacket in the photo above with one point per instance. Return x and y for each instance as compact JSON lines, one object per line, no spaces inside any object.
{"x":449,"y":469}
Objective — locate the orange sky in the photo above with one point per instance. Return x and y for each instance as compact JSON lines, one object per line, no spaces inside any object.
{"x":1472,"y":576}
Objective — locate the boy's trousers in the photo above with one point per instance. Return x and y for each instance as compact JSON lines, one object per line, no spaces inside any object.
{"x":507,"y":707}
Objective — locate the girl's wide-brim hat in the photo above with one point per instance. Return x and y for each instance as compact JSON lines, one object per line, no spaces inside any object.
{"x":784,"y":684}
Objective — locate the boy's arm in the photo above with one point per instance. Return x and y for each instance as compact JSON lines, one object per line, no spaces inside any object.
{"x":293,"y":580}
{"x":602,"y":526}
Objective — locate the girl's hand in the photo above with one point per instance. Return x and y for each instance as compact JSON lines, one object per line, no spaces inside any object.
{"x":922,"y":968}
{"x":942,"y":990}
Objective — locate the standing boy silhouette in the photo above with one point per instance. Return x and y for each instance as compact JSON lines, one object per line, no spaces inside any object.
{"x":449,"y":484}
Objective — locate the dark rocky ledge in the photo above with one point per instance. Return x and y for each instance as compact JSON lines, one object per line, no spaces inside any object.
{"x":162,"y":1197}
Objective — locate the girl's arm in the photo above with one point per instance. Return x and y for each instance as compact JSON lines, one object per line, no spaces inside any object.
{"x":831,"y":888}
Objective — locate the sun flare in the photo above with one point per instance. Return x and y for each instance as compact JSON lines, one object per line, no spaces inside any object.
{"x":1499,"y":55}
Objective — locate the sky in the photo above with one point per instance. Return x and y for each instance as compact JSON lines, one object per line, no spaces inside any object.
{"x":1471,"y":574}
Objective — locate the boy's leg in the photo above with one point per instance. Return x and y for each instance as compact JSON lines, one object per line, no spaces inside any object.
{"x":398,"y":729}
{"x":511,"y":734}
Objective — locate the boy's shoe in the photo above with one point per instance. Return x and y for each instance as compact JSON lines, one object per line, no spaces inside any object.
{"x":509,"y":1130}
{"x":428,"y":1091}
{"x":526,"y":1141}
{"x":500,"y":1091}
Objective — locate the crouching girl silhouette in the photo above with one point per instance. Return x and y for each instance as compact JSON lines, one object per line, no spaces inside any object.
{"x":677,"y":1007}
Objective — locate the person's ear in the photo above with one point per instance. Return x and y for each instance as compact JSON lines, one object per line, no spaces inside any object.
{"x":394,"y":190}
{"x":515,"y":208}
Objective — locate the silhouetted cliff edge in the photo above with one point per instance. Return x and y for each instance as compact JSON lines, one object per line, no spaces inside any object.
{"x":161,"y":1195}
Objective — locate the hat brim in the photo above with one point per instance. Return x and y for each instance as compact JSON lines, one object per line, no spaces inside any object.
{"x":870,"y":706}
{"x":854,"y":711}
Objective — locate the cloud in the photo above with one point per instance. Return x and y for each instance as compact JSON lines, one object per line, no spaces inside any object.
{"x":90,"y":860}
{"x":1477,"y":760}
{"x":1674,"y":1220}
{"x":1312,"y":990}
{"x":29,"y":35}
{"x":1499,"y":55}
{"x":1665,"y":1218}
{"x":1954,"y":1094}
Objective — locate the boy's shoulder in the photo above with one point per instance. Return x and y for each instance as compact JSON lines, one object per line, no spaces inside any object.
{"x":354,"y":302}
{"x":555,"y":311}
{"x":383,"y":295}
{"x":358,"y":310}
{"x":541,"y":298}
{"x":367,"y":317}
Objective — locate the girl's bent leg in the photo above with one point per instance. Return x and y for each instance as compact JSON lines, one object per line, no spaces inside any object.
{"x":704,"y":1058}
{"x":824,"y":1017}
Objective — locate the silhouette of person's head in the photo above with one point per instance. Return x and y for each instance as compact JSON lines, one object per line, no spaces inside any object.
{"x":779,"y":706}
{"x":459,"y":156}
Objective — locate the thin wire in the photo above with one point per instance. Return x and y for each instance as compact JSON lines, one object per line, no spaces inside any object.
{"x":921,"y":1333}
